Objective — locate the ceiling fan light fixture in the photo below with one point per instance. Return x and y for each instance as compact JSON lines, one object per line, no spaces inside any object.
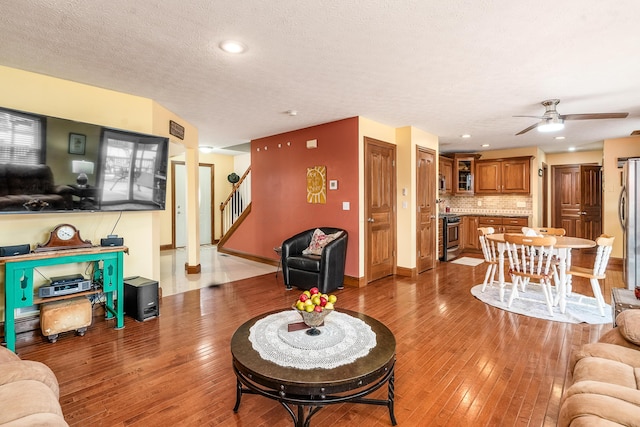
{"x":551,"y":125}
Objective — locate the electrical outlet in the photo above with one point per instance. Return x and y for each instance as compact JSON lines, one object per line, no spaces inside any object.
{"x":521,"y":204}
{"x":479,"y":202}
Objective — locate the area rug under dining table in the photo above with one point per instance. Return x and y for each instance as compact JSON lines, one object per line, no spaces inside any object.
{"x":580,"y":308}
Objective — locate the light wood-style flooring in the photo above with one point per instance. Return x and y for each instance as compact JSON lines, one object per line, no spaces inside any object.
{"x":459,"y":362}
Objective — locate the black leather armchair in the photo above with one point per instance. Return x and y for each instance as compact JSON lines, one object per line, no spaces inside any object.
{"x":324,"y":271}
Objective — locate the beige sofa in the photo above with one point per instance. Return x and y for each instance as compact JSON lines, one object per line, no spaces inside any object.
{"x":28,"y":393}
{"x":605,"y":389}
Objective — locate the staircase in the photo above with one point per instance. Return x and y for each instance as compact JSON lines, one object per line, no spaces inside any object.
{"x":236,"y":208}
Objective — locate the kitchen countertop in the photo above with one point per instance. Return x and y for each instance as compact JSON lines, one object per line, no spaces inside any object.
{"x":509,"y":214}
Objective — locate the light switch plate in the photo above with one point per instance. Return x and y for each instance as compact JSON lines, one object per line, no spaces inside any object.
{"x":346,"y":206}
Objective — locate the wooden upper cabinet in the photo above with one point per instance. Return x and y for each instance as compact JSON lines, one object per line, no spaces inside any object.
{"x":488,"y":176}
{"x":463,"y":173}
{"x":446,"y":174}
{"x":512,"y":175}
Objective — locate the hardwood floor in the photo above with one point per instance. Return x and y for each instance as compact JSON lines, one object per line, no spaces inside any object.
{"x":459,"y":362}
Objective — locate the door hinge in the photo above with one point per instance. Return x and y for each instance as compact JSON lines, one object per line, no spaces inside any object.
{"x":393,"y":163}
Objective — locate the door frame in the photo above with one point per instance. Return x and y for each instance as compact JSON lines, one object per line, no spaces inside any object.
{"x":173,"y":199}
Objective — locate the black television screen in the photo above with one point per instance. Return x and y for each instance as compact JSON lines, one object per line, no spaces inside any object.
{"x":48,"y":164}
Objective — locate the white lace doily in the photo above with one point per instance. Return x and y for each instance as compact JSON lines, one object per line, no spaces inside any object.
{"x":343,"y":340}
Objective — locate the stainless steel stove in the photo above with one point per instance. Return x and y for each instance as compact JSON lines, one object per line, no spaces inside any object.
{"x":450,"y":236}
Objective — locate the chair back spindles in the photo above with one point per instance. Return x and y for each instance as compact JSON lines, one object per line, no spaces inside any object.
{"x":490,"y":255}
{"x":605,"y":245}
{"x":530,"y":258}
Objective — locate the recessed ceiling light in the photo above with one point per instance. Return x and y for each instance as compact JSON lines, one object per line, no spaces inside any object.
{"x":572,"y":148}
{"x":206,"y":149}
{"x":485,"y":145}
{"x":465,"y":135}
{"x":559,"y":137}
{"x":232,"y":46}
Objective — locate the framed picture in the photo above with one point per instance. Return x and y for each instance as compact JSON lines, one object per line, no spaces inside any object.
{"x":77,"y":143}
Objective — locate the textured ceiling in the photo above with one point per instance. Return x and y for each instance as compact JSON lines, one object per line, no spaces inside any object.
{"x":447,"y":67}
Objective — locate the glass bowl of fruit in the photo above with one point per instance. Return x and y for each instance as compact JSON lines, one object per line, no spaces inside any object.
{"x":314,"y":307}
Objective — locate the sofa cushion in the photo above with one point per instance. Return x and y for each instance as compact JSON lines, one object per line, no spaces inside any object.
{"x":319,"y":240}
{"x":618,"y":353}
{"x":629,"y":325}
{"x":26,"y":397}
{"x":596,"y":410}
{"x":306,"y":263}
{"x":606,"y":371}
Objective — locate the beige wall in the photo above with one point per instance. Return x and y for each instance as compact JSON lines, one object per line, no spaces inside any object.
{"x":406,"y":139}
{"x":45,"y":95}
{"x":614,"y":148}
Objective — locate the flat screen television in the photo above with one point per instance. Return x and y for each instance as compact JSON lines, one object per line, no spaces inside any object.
{"x":48,"y":164}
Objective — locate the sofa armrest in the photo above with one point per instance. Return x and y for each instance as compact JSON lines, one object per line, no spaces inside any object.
{"x":7,"y":355}
{"x":294,"y":245}
{"x":62,"y":190}
{"x":615,"y":337}
{"x":20,"y":370}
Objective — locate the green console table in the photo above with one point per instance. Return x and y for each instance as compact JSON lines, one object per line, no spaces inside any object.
{"x":18,"y":281}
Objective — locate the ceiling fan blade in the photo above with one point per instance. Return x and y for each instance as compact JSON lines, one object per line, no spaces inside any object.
{"x":533,"y":117}
{"x":528,"y":129}
{"x":594,"y":116}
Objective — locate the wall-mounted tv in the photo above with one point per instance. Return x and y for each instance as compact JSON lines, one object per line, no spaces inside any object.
{"x":48,"y":164}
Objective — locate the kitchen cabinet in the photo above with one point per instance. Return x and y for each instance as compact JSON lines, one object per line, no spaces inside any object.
{"x":504,"y":224}
{"x":470,"y":238}
{"x":446,"y":175}
{"x":463,"y":170}
{"x":499,"y":176}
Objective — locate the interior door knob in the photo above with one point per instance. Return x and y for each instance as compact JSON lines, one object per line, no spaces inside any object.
{"x":370,"y":220}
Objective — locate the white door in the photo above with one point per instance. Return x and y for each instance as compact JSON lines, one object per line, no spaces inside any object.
{"x":205,"y":197}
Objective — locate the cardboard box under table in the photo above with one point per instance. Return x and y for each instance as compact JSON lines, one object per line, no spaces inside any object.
{"x":65,"y":315}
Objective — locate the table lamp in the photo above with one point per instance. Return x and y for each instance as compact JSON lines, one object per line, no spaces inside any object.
{"x":82,"y":168}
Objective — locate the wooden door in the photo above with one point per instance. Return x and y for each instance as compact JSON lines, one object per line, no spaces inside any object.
{"x":566,"y":197}
{"x":380,"y":196}
{"x":590,"y":224}
{"x":426,"y":206}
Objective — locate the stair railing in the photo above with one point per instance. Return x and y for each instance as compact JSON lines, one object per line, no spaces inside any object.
{"x":236,"y":203}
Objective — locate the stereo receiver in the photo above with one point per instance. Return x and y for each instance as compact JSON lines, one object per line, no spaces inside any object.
{"x":65,"y":287}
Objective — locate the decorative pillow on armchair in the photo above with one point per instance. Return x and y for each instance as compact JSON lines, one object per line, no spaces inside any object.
{"x":319,"y":240}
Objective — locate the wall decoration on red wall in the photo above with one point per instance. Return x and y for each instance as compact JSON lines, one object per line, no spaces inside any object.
{"x":317,"y":184}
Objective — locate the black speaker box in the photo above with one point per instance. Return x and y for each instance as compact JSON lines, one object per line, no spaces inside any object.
{"x":14,"y":250}
{"x":112,"y":241}
{"x":141,"y":298}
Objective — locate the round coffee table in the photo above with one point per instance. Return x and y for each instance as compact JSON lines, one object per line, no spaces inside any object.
{"x":316,"y":388}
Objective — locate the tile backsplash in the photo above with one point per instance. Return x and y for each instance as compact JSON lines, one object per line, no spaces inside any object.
{"x":499,"y":204}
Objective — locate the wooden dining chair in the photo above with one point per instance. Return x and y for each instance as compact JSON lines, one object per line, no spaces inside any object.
{"x":598,"y":272}
{"x":549,"y":231}
{"x":490,"y":255}
{"x":530,"y":258}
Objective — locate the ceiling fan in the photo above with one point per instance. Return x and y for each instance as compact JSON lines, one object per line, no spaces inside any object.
{"x":551,"y":120}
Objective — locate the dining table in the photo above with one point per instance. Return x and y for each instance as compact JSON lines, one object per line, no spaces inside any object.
{"x":562,"y":249}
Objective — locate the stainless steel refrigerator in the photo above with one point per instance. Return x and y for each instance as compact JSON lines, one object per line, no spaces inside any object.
{"x":629,"y":213}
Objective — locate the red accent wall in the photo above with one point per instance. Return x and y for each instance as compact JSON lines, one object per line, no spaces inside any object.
{"x":279,"y":189}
